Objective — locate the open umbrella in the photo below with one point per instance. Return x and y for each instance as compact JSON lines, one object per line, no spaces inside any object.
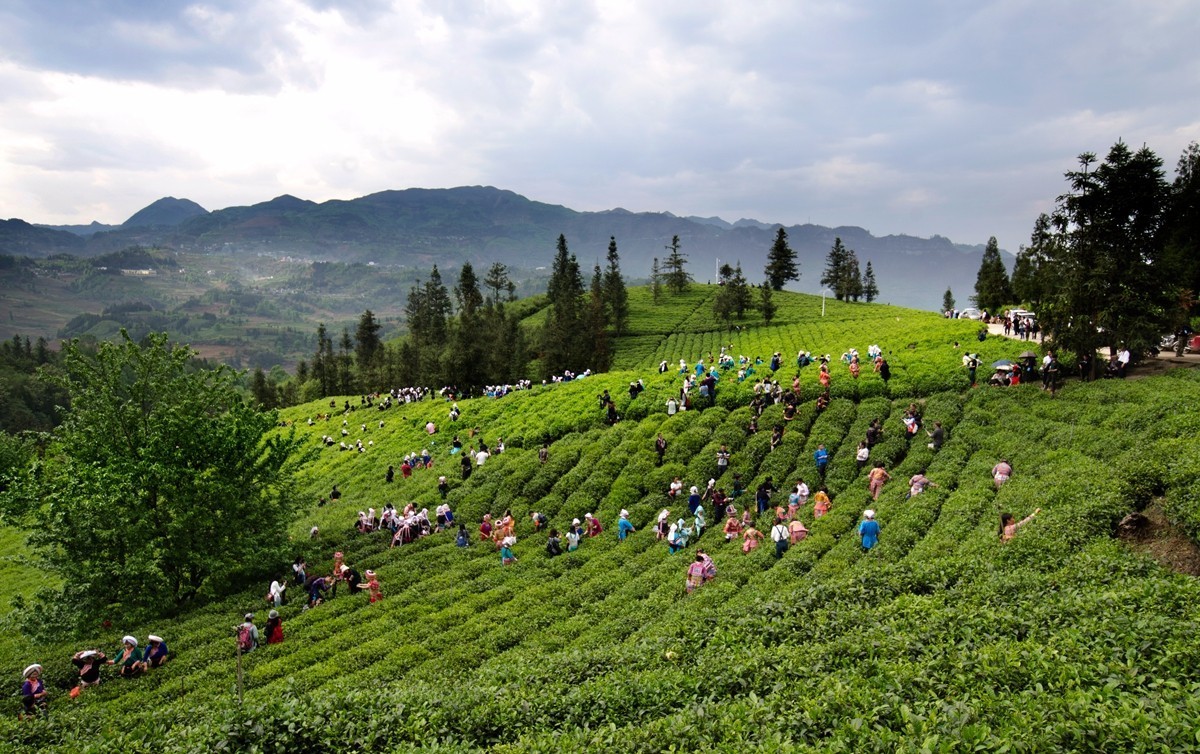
{"x":1028,"y":355}
{"x":1002,"y":363}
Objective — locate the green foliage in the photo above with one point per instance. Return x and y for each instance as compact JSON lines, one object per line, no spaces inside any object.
{"x":781,"y":262}
{"x":992,"y":288}
{"x":162,"y":485}
{"x":675,"y":273}
{"x":941,"y":638}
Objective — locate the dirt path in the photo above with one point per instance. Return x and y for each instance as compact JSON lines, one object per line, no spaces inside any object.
{"x":1164,"y":362}
{"x":1150,"y":533}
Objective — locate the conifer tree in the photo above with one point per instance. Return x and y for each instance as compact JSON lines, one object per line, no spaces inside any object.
{"x":836,"y":264}
{"x":597,"y":323}
{"x":992,"y":288}
{"x":947,"y":301}
{"x":676,"y":274}
{"x":615,"y":295}
{"x":655,"y":281}
{"x":870,"y":288}
{"x":562,"y":345}
{"x":766,"y":304}
{"x":781,"y":262}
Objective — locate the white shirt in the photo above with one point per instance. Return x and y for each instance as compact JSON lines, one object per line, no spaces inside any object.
{"x":863,"y":454}
{"x":1123,"y":356}
{"x":778,"y":532}
{"x":480,"y":457}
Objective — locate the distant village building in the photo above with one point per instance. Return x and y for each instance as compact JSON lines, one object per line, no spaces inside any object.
{"x":139,"y":273}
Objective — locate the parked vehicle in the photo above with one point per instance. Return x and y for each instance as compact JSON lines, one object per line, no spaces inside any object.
{"x":970,"y":313}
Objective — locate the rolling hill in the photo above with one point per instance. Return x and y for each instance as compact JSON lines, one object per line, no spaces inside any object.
{"x":941,"y":638}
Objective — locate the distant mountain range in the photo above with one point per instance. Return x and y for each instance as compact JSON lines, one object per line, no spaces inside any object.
{"x":481,"y":224}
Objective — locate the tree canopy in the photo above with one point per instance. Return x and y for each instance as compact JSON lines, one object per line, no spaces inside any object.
{"x":992,"y":288}
{"x":162,"y":484}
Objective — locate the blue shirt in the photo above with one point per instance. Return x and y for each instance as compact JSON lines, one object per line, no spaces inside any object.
{"x":869,"y":530}
{"x":821,"y":456}
{"x":623,"y":528}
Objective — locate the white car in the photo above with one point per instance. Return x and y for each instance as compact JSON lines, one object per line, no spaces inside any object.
{"x":970,"y":313}
{"x":1022,"y":314}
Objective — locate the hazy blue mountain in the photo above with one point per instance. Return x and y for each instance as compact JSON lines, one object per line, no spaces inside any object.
{"x":420,"y":227}
{"x":19,"y":238}
{"x":82,"y":230}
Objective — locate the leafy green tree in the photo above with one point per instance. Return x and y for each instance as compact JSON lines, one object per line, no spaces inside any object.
{"x":766,"y":304}
{"x":677,"y":276}
{"x":947,"y":300}
{"x":992,"y":287}
{"x":616,"y":296}
{"x":163,"y":485}
{"x":781,"y":261}
{"x":870,"y":288}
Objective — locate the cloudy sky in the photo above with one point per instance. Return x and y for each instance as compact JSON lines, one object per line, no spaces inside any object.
{"x":921,"y":117}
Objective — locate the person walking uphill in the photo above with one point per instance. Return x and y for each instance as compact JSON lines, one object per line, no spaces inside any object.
{"x":877,"y":478}
{"x":781,"y":537}
{"x":868,"y":530}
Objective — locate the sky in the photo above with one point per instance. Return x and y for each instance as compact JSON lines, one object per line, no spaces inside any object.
{"x":925,"y":117}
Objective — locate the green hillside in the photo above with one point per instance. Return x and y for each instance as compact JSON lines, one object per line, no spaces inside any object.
{"x":940,"y":639}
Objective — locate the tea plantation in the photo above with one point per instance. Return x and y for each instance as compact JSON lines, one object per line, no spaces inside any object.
{"x":942,"y":638}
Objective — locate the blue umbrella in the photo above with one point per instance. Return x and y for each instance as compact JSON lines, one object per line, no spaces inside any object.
{"x":1002,"y":363}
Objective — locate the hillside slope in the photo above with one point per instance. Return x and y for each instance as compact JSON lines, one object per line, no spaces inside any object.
{"x":939,"y":639}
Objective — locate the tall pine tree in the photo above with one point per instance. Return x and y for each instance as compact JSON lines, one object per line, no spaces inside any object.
{"x":615,"y":295}
{"x":562,"y":336}
{"x":992,"y":288}
{"x":781,"y":262}
{"x":870,"y":288}
{"x":837,"y":262}
{"x":678,"y":278}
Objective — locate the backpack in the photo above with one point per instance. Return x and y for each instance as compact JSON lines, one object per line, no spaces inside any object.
{"x":245,"y":638}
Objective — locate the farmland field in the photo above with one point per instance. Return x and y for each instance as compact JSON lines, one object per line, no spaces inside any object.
{"x":939,"y":639}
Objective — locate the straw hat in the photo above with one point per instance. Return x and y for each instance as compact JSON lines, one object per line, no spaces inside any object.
{"x":34,"y":668}
{"x":868,"y":514}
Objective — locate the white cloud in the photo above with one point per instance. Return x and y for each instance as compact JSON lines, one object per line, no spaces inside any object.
{"x":920,"y":117}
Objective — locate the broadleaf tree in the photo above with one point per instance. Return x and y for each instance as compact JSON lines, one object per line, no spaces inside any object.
{"x":163,"y":484}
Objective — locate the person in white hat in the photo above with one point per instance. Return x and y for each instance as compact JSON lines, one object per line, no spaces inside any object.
{"x":624,"y":527}
{"x":129,"y":658}
{"x":868,"y":530}
{"x":593,"y":525}
{"x":88,"y":661}
{"x":156,"y":652}
{"x":33,"y":692}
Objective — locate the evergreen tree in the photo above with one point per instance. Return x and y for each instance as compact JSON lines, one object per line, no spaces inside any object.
{"x":740,"y":290}
{"x":562,"y":345}
{"x":766,"y":304}
{"x":465,"y":357}
{"x":655,"y":281}
{"x":263,"y":391}
{"x":497,"y":280}
{"x":1032,"y":272}
{"x":947,"y":301}
{"x":836,"y":264}
{"x":1111,"y":285}
{"x":992,"y":288}
{"x":724,"y":302}
{"x":853,"y":281}
{"x":1181,"y":253}
{"x":597,"y":322}
{"x":676,"y":273}
{"x":615,"y":294}
{"x":367,"y":345}
{"x":870,"y":289}
{"x":345,"y":364}
{"x":324,"y":366}
{"x":781,"y":262}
